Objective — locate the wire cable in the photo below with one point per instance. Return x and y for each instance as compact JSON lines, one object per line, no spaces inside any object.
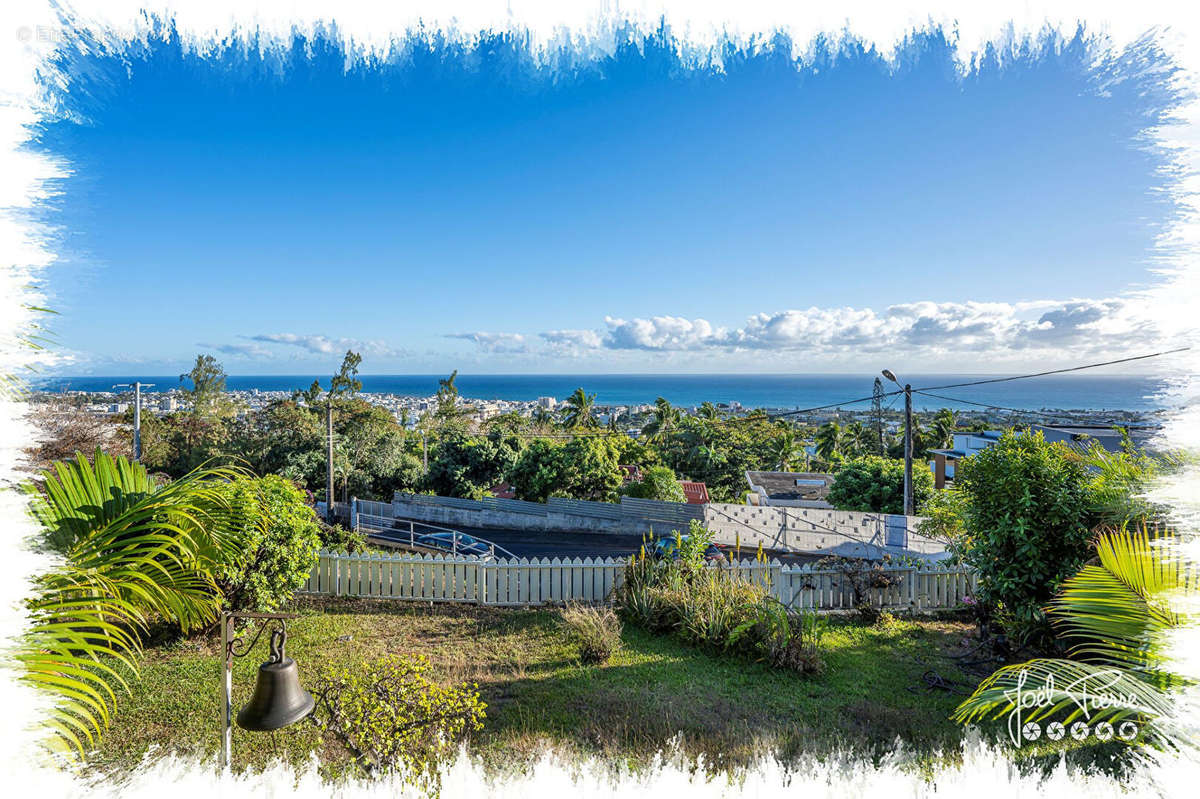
{"x":1055,"y":371}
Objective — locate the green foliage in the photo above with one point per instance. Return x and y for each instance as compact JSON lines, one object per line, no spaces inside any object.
{"x":658,"y":482}
{"x":1025,"y":522}
{"x":468,"y":466}
{"x":586,"y":467}
{"x":596,"y":630}
{"x":1118,"y":615}
{"x":1118,"y":482}
{"x":335,"y":538}
{"x":393,"y":718}
{"x":714,"y":608}
{"x":131,"y":553}
{"x":346,"y":382}
{"x":943,"y":516}
{"x":280,"y":537}
{"x":578,"y":410}
{"x":874,"y":484}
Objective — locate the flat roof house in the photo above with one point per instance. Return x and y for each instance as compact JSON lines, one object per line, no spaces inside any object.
{"x":789,"y":489}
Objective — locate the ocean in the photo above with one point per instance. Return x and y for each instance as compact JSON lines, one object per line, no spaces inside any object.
{"x":1091,"y":392}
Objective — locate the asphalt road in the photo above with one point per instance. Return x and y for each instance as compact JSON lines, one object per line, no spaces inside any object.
{"x":549,"y":544}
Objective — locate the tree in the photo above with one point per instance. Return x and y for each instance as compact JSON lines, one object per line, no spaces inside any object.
{"x":208,"y":384}
{"x":578,"y":410}
{"x":468,"y":466}
{"x":708,"y":412}
{"x":448,"y":413}
{"x":784,"y":451}
{"x":1026,"y":520}
{"x":131,"y":552}
{"x":876,"y":485}
{"x":941,"y":432}
{"x":829,"y":442}
{"x":1119,"y":613}
{"x":537,"y":471}
{"x":280,"y":538}
{"x":658,"y":482}
{"x":346,"y":382}
{"x":877,"y":417}
{"x":663,"y":422}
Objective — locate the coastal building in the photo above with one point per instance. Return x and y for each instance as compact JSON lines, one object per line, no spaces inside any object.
{"x":1077,"y":436}
{"x":789,"y":489}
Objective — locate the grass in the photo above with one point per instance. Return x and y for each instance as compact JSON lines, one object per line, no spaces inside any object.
{"x":538,"y":692}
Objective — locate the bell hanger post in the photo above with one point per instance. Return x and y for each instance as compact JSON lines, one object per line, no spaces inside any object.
{"x":278,"y":699}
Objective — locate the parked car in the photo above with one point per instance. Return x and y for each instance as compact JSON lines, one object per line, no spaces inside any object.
{"x":465,"y":544}
{"x":665,"y":547}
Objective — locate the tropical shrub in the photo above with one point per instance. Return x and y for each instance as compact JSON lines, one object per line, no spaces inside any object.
{"x":713,"y":608}
{"x":335,"y":538}
{"x":658,"y":482}
{"x":876,"y":485}
{"x":391,"y":717}
{"x":595,"y":630}
{"x":468,"y":466}
{"x":281,"y":538}
{"x":131,"y":553}
{"x":1026,"y":525}
{"x":1117,"y":613}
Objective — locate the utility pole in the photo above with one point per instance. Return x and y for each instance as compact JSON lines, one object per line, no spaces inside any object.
{"x":329,"y":462}
{"x":908,"y":453}
{"x":137,"y":415}
{"x":424,"y":452}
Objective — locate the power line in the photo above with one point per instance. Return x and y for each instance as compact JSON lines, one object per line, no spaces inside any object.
{"x":1055,"y":371}
{"x":1089,"y":422}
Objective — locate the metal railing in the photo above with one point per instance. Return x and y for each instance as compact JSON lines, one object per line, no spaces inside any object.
{"x":405,"y":532}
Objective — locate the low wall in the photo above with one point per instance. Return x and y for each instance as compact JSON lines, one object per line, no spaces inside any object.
{"x":819,"y":531}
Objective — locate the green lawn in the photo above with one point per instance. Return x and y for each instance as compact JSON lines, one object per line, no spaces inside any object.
{"x":654,"y":688}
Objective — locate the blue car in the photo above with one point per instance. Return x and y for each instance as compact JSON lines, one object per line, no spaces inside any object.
{"x":465,"y":545}
{"x":665,"y":547}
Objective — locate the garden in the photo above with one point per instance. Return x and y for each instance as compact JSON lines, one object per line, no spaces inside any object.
{"x":1073,"y":570}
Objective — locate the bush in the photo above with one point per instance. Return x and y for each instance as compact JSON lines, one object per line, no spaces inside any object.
{"x":391,"y":717}
{"x":1026,"y":523}
{"x":658,"y":482}
{"x":282,"y":540}
{"x":715,"y":609}
{"x":876,"y":485}
{"x":596,"y":630}
{"x":335,"y":538}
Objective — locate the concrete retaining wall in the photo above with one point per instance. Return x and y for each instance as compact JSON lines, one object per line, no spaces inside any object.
{"x":809,"y":530}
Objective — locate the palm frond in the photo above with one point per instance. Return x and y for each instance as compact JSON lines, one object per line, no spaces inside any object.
{"x":133,"y":553}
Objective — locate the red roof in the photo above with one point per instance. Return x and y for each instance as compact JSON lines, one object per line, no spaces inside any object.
{"x":696,"y":493}
{"x":503,"y":491}
{"x":633,"y":474}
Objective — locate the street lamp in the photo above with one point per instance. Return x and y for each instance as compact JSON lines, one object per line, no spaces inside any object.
{"x":278,"y":699}
{"x":908,"y":492}
{"x":137,"y":415}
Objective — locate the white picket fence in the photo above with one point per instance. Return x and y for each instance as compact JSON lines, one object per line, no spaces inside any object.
{"x":538,"y":581}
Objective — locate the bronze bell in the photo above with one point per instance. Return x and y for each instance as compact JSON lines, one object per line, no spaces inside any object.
{"x":278,"y":698}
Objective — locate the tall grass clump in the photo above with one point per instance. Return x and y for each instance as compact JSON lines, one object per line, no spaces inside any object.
{"x":596,"y":630}
{"x":715,"y":608}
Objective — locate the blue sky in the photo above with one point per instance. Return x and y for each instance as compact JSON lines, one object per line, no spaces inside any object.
{"x":468,"y":209}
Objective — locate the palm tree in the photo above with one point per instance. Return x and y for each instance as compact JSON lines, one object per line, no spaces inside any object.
{"x":131,"y":552}
{"x":1118,"y":612}
{"x":828,"y":441}
{"x":942,"y":429}
{"x":543,"y":420}
{"x":664,"y":421}
{"x":578,"y":409}
{"x":783,"y":450}
{"x":708,"y":412}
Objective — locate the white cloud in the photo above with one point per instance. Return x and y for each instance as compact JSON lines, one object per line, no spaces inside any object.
{"x":659,"y":333}
{"x":1084,"y":325}
{"x":571,"y":342}
{"x":324,"y":345}
{"x":494,"y":342}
